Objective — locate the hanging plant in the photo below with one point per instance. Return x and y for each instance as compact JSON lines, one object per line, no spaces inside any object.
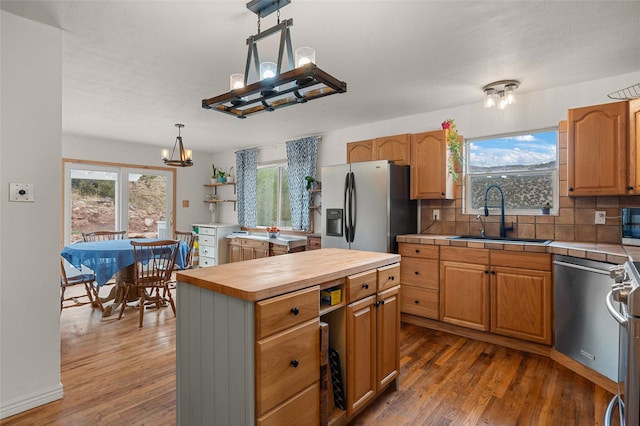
{"x":454,"y":147}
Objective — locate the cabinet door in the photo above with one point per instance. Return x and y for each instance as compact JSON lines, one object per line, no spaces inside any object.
{"x":388,"y":336}
{"x":464,"y":294}
{"x":521,"y":304}
{"x":597,"y":150}
{"x":361,"y":353}
{"x":394,"y":148}
{"x":429,"y":176}
{"x":360,"y":151}
{"x":634,"y":146}
{"x":235,"y":253}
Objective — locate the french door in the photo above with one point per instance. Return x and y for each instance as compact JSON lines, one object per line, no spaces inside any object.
{"x":99,"y":196}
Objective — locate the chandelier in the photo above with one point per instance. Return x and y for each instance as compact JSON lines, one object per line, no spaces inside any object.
{"x":267,"y":86}
{"x":500,"y":93}
{"x":186,"y":156}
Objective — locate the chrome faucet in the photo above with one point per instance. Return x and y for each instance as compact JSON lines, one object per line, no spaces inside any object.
{"x":503,"y":228}
{"x":482,"y":235}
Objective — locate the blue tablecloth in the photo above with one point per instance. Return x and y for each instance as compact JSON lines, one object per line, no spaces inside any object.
{"x":105,"y":258}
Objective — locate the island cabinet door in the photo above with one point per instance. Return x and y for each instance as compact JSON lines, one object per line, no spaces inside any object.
{"x":388,"y":336}
{"x":361,"y":353}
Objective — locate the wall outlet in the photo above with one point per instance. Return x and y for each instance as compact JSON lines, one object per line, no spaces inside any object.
{"x":601,"y":217}
{"x":436,"y":214}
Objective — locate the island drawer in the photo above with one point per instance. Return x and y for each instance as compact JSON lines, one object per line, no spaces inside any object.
{"x":419,"y":301}
{"x":420,"y":272}
{"x":361,"y":285}
{"x":388,"y":276}
{"x":286,"y":363}
{"x":302,"y":409}
{"x":279,"y":313}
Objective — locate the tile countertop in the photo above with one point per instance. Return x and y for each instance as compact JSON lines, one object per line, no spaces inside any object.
{"x":611,"y":253}
{"x":291,"y":241}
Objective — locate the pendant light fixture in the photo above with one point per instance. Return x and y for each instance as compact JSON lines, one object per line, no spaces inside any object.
{"x":267,"y":86}
{"x":186,"y":156}
{"x":500,"y":94}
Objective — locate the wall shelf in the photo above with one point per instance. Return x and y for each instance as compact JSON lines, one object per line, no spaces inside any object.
{"x":215,"y":192}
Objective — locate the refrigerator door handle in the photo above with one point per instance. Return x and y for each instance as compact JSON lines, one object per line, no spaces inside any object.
{"x":353,"y":209}
{"x":345,"y":206}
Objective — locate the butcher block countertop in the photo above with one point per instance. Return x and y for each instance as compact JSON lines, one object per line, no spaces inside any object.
{"x":258,"y":279}
{"x":611,"y":253}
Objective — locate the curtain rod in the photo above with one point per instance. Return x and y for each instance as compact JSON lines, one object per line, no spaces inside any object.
{"x":275,"y":145}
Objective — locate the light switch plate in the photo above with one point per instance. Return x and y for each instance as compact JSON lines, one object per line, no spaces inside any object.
{"x":21,"y":192}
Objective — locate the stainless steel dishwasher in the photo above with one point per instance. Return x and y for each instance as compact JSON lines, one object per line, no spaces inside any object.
{"x":584,"y":329}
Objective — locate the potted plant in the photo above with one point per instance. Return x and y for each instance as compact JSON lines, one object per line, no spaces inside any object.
{"x":230,"y":176}
{"x":546,"y":209}
{"x":218,"y":175}
{"x":311,"y":182}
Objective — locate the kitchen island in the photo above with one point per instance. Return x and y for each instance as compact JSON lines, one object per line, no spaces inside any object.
{"x":250,"y":348}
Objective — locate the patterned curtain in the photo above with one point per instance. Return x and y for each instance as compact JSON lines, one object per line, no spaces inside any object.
{"x":302,"y":156}
{"x":246,"y":177}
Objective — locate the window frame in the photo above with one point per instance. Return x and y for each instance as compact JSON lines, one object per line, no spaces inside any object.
{"x":467,"y":177}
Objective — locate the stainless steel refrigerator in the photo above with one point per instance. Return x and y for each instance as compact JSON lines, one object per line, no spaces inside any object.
{"x":366,"y":205}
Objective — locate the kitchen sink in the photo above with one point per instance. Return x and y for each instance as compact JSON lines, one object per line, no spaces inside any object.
{"x":504,"y":240}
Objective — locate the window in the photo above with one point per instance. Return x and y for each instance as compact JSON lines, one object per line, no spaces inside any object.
{"x":524,"y":165}
{"x":273,"y":206}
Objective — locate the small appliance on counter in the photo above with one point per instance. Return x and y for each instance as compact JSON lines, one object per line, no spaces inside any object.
{"x":631,"y":226}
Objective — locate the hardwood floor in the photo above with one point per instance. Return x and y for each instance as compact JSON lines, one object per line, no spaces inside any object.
{"x":115,"y":373}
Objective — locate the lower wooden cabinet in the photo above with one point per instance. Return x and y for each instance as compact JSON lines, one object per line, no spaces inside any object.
{"x":246,"y":249}
{"x":302,"y":409}
{"x":420,"y":280}
{"x":388,"y":337}
{"x":464,"y":294}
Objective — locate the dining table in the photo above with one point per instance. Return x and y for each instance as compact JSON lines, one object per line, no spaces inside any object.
{"x":112,"y":258}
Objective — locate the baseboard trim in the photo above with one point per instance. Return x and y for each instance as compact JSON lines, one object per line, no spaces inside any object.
{"x":16,"y":407}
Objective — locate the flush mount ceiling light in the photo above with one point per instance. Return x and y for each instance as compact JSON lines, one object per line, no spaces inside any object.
{"x":500,"y":93}
{"x":268,"y":86}
{"x":186,"y":157}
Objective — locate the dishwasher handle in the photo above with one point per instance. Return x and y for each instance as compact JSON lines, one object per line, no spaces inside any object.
{"x":613,"y":311}
{"x":583,"y":268}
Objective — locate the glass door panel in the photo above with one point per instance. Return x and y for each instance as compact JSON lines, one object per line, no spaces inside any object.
{"x":148,"y":204}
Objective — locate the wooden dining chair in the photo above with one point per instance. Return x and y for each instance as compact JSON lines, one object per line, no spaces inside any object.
{"x":189,"y":238}
{"x":90,"y":286}
{"x":103,"y":235}
{"x":154,"y":262}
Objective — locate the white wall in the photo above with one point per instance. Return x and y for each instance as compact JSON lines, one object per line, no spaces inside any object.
{"x":190,"y":180}
{"x":31,"y":122}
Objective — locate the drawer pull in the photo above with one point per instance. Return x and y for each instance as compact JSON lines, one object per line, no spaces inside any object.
{"x":365,"y":286}
{"x":295,"y":310}
{"x":417,"y":272}
{"x":417,"y":302}
{"x":392,"y":277}
{"x":417,"y":250}
{"x":295,"y":363}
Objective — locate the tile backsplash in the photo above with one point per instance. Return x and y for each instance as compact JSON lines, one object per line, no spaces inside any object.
{"x":574,"y":219}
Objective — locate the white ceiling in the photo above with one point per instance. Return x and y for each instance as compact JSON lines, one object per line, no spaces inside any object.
{"x":132,"y":69}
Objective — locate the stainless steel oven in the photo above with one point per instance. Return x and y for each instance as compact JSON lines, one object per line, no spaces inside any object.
{"x":623,"y":303}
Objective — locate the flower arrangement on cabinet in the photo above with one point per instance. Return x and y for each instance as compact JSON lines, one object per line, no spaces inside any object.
{"x":454,"y":146}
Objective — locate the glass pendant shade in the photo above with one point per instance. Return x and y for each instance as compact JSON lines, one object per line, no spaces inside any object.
{"x":236,"y":81}
{"x":510,"y":91}
{"x":304,"y":55}
{"x":489,"y":98}
{"x":267,"y":70}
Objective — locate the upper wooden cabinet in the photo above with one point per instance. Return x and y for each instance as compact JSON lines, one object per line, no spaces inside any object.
{"x":634,"y":146}
{"x":597,"y":150}
{"x":394,"y":148}
{"x":430,"y":178}
{"x":360,"y":151}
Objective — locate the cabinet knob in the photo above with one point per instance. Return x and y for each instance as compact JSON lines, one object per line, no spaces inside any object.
{"x":629,"y":188}
{"x":417,"y":250}
{"x":571,"y":189}
{"x":392,"y":277}
{"x":486,"y":272}
{"x":493,"y":272}
{"x":417,"y":302}
{"x":295,"y":363}
{"x":365,"y":286}
{"x":381,"y":302}
{"x":417,"y":272}
{"x":442,"y":193}
{"x":295,"y":310}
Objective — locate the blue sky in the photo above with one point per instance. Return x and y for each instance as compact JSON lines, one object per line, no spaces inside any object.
{"x":534,"y":148}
